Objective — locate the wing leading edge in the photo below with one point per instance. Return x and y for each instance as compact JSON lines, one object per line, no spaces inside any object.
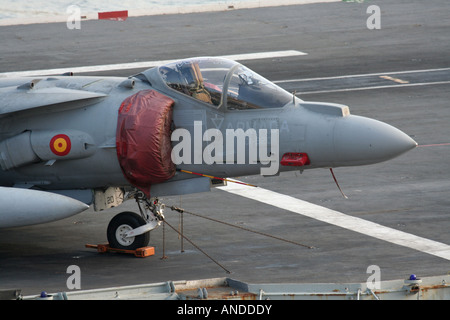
{"x":27,"y":98}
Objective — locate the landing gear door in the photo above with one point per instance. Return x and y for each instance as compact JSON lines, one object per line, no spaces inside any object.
{"x":109,"y":198}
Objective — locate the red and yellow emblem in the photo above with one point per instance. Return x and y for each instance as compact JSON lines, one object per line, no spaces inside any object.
{"x":60,"y":145}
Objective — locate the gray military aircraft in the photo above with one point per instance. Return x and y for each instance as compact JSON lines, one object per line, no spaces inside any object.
{"x":68,"y":142}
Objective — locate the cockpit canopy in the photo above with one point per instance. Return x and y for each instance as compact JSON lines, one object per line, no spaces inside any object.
{"x":223,"y":83}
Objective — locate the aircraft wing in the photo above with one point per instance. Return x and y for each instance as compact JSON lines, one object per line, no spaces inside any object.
{"x":17,"y":99}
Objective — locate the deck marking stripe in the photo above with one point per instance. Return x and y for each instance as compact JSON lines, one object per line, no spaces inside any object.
{"x":363,"y":75}
{"x":342,"y":220}
{"x":394,"y":79}
{"x":375,"y":87}
{"x":147,"y":64}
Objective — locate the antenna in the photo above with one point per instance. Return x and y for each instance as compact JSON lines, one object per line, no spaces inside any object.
{"x":337,"y":184}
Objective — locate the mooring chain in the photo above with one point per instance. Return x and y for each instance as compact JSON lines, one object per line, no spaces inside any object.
{"x":197,"y":247}
{"x":174,"y":208}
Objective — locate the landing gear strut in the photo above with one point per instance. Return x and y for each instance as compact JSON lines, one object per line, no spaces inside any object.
{"x":129,"y":230}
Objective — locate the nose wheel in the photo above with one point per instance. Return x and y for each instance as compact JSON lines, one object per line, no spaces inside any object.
{"x":119,"y":228}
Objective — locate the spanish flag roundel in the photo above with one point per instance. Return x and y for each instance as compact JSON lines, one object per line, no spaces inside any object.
{"x":60,"y":145}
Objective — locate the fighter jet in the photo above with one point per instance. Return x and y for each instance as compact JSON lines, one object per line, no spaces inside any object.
{"x":70,"y":142}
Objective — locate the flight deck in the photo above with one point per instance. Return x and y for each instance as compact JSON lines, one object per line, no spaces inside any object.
{"x":396,"y":214}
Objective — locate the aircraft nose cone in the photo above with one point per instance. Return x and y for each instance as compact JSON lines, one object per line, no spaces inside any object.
{"x":360,"y":141}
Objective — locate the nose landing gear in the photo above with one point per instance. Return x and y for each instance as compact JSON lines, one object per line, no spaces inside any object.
{"x":118,"y":228}
{"x":129,"y":230}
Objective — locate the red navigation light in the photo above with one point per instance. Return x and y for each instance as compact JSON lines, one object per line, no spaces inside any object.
{"x":294,"y":159}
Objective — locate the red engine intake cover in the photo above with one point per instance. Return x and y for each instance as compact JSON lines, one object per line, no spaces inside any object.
{"x":143,"y":139}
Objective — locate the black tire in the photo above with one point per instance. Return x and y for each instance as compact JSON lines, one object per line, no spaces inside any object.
{"x":124,"y":222}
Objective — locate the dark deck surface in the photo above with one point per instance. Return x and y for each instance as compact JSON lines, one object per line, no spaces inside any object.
{"x":410,"y":193}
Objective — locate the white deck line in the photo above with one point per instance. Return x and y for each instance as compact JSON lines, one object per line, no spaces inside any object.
{"x":339,"y":219}
{"x":363,"y":75}
{"x":145,"y":64}
{"x":375,"y":87}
